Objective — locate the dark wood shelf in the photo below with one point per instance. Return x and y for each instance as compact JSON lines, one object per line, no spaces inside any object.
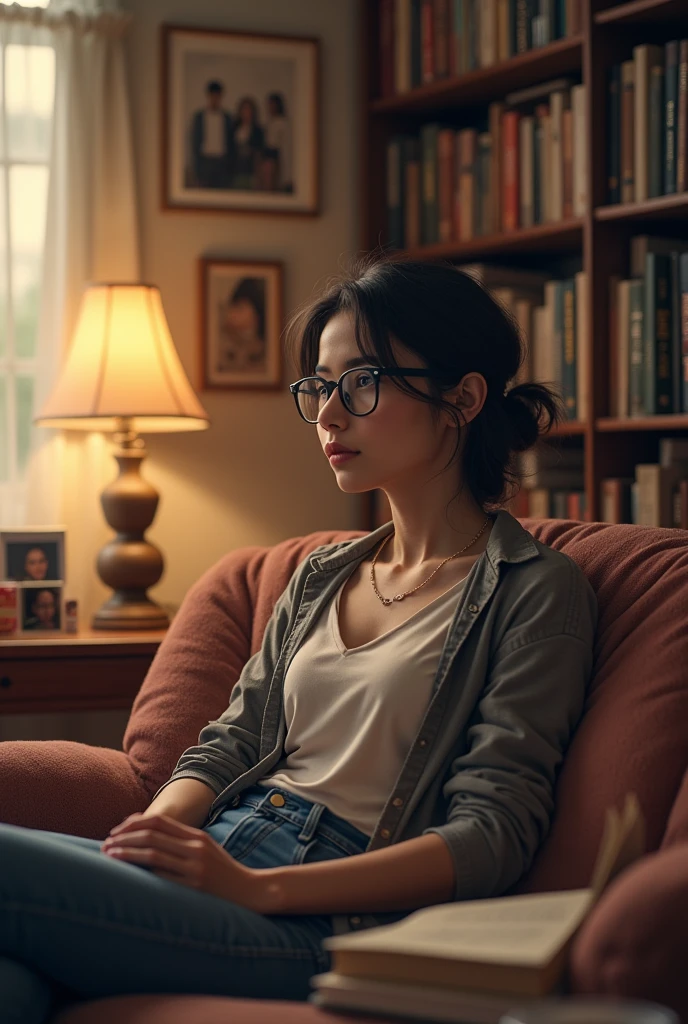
{"x":660,"y":206}
{"x":675,"y":421}
{"x":561,"y":236}
{"x":484,"y":84}
{"x":640,"y":11}
{"x":571,"y":428}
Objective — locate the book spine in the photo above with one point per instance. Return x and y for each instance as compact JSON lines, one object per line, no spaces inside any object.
{"x":580,"y":172}
{"x":645,"y":57}
{"x":611,"y":500}
{"x":682,"y":118}
{"x":416,"y":37}
{"x":681,"y":505}
{"x":538,"y":143}
{"x":473,"y":35}
{"x":503,"y":36}
{"x":446,"y":176}
{"x":526,"y":177}
{"x":569,"y":366}
{"x":495,"y":112}
{"x":395,"y":196}
{"x":558,"y":334}
{"x":386,"y":47}
{"x":467,"y":191}
{"x":627,"y":131}
{"x":567,"y":163}
{"x":675,"y":346}
{"x":523,"y":26}
{"x":683,"y":260}
{"x":623,"y":341}
{"x":466,"y":35}
{"x":558,"y":101}
{"x":582,"y":345}
{"x":488,"y":33}
{"x":430,"y":222}
{"x":455,"y":39}
{"x":510,"y":122}
{"x":484,"y":175}
{"x":657,"y":340}
{"x":427,"y":43}
{"x":636,"y":302}
{"x":402,"y":46}
{"x":613,"y":135}
{"x":670,"y":110}
{"x":441,"y":37}
{"x":412,"y":214}
{"x":655,"y":139}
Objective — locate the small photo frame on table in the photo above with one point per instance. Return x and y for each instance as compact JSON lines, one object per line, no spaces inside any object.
{"x":41,"y":607}
{"x":240,"y":324}
{"x":32,"y":554}
{"x":240,"y":115}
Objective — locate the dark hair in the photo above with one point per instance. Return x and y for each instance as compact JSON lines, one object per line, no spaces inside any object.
{"x":252,"y":289}
{"x":456,"y":327}
{"x":278,"y":99}
{"x":214,"y":86}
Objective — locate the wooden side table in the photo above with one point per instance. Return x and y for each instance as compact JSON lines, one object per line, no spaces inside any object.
{"x":87,"y":671}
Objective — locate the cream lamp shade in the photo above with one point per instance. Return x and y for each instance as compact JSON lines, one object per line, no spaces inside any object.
{"x":122,"y":364}
{"x":123,"y":375}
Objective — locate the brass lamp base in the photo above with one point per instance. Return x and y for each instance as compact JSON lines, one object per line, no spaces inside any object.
{"x":129,"y":563}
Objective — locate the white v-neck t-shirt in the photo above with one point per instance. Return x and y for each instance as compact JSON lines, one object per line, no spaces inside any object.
{"x":352,"y":714}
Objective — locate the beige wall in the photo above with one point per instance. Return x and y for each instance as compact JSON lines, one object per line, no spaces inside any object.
{"x":258,"y":475}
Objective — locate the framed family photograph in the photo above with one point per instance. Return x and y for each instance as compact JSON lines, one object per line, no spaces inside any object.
{"x":240,"y":116}
{"x":32,"y":554}
{"x":240,"y":324}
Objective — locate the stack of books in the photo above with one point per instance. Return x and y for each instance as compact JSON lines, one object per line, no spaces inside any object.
{"x":472,"y":960}
{"x":649,"y":330}
{"x":423,"y":41}
{"x":647,"y":133}
{"x":657,"y":495}
{"x":523,"y":165}
{"x":553,"y":484}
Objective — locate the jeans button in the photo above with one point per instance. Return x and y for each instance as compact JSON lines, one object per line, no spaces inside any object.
{"x":277,"y":800}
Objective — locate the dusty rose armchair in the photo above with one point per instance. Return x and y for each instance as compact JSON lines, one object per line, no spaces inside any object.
{"x":633,"y":736}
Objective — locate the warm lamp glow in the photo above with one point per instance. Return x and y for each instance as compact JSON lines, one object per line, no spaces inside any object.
{"x":122,"y":365}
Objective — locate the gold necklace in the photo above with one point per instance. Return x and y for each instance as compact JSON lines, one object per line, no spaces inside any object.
{"x":400,"y":597}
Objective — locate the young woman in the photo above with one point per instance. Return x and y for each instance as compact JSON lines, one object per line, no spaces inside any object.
{"x":395,"y":741}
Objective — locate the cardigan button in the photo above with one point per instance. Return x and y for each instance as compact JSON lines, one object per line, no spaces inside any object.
{"x":385,"y":833}
{"x":473,"y":608}
{"x":397,"y":802}
{"x":422,"y":743}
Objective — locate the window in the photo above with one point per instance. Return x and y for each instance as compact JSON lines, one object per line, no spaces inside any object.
{"x":27,"y":74}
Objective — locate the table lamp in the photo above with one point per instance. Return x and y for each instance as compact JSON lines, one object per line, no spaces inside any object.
{"x":123,"y":375}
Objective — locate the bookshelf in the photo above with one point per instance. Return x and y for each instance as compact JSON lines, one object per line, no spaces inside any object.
{"x":611,"y":445}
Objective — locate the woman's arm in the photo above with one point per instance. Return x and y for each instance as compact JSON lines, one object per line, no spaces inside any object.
{"x":406,"y":876}
{"x":185,"y":800}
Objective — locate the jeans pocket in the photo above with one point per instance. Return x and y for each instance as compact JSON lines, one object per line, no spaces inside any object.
{"x":247,"y":834}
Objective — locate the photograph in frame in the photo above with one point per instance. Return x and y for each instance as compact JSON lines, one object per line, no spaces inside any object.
{"x":240,"y":121}
{"x":41,"y":607}
{"x":240,"y":324}
{"x":32,"y":554}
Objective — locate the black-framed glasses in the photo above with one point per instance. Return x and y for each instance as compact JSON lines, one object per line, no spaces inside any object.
{"x":359,"y":389}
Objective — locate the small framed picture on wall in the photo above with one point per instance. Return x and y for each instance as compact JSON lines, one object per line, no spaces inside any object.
{"x":240,"y":324}
{"x":240,"y":127}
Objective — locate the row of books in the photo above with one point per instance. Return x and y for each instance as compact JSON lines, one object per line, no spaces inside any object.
{"x":657,"y":495}
{"x":422,"y":41}
{"x":552,"y":316}
{"x":524,"y":166}
{"x":649,"y":330}
{"x":647,"y":131}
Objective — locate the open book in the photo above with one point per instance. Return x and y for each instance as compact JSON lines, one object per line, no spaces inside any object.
{"x":515,"y":946}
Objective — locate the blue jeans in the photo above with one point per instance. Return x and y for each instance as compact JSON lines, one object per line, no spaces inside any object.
{"x":76,"y":924}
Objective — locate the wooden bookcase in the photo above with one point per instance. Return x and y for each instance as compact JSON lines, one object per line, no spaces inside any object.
{"x":612,"y":447}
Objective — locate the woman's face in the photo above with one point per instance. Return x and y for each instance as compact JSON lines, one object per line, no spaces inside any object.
{"x":241,"y":317}
{"x":44,"y":608}
{"x":398,"y":441}
{"x":36,"y":564}
{"x":246,"y":113}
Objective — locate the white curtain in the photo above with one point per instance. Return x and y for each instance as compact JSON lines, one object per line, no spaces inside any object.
{"x":91,"y":235}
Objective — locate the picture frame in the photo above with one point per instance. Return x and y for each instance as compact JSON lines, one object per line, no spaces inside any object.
{"x":240,"y":121}
{"x":33,"y":554}
{"x":41,"y":607}
{"x":241,"y":313}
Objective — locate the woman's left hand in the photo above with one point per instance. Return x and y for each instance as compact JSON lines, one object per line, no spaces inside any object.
{"x":190,"y":857}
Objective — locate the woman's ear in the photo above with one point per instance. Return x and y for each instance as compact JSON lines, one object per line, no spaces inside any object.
{"x":468,"y":396}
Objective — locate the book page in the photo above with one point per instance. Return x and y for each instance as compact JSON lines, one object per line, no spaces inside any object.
{"x":519,"y":930}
